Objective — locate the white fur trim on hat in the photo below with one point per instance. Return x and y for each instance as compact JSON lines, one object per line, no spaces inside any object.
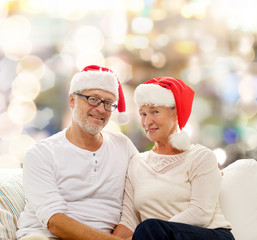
{"x":180,"y":141}
{"x":95,"y":80}
{"x":152,"y":94}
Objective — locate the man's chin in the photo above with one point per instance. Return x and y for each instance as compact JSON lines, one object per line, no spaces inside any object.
{"x":93,"y":130}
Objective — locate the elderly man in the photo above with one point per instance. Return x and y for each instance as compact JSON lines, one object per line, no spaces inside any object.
{"x":74,"y":180}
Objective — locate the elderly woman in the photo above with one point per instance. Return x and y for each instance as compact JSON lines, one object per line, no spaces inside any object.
{"x":171,"y":191}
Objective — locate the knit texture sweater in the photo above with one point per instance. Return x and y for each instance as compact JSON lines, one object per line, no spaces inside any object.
{"x":179,"y":188}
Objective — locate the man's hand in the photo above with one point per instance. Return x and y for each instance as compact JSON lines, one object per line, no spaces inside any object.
{"x":67,"y":228}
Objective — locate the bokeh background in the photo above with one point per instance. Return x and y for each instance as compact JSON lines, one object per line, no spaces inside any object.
{"x":211,"y":45}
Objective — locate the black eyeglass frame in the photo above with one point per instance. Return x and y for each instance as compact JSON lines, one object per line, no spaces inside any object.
{"x":107,"y":104}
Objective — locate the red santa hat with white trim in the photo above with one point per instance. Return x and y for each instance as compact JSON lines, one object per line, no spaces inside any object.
{"x":169,"y":92}
{"x":96,"y":77}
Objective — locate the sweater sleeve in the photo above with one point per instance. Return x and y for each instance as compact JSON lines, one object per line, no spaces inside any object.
{"x":205,"y":178}
{"x":130,"y":216}
{"x":40,"y":186}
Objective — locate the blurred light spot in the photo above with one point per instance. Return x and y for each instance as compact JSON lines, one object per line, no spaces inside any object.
{"x":32,"y":6}
{"x":235,"y":18}
{"x":185,"y":47}
{"x":115,"y":26}
{"x":246,"y":88}
{"x":72,"y":10}
{"x":245,"y":44}
{"x":140,"y":42}
{"x":9,"y":129}
{"x":135,"y":5}
{"x":201,"y":109}
{"x":250,"y":138}
{"x":7,"y":73}
{"x":142,"y":25}
{"x":31,"y":64}
{"x":207,"y":44}
{"x":230,"y":136}
{"x":48,"y":80}
{"x":248,"y":107}
{"x":15,"y":32}
{"x":2,"y":102}
{"x":102,"y":5}
{"x":16,"y":49}
{"x":89,"y":57}
{"x":122,"y":69}
{"x":15,"y":28}
{"x":186,"y":11}
{"x":158,"y":60}
{"x":21,"y":112}
{"x":194,"y":72}
{"x":87,"y":38}
{"x":3,"y":9}
{"x":211,"y":135}
{"x":159,"y":14}
{"x":146,"y":53}
{"x":60,"y":64}
{"x":25,"y":86}
{"x":161,"y":40}
{"x":43,"y":118}
{"x":220,"y":155}
{"x":9,"y":161}
{"x":194,"y":9}
{"x":19,"y":146}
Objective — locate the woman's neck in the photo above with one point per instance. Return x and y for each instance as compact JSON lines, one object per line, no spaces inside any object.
{"x":165,"y":149}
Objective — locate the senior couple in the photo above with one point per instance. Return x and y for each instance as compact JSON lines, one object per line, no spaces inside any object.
{"x":74,"y":181}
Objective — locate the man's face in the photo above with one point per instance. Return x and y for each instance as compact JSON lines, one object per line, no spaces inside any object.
{"x":91,"y":119}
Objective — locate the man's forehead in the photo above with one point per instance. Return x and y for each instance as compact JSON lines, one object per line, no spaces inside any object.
{"x":99,"y":93}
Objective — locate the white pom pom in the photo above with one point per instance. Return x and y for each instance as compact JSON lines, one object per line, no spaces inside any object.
{"x":180,"y":141}
{"x":123,"y":118}
{"x":35,"y":237}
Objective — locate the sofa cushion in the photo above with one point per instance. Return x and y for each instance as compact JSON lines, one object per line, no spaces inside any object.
{"x":12,"y":202}
{"x":238,"y":198}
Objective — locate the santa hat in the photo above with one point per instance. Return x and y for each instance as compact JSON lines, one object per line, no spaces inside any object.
{"x":96,"y":77}
{"x":168,"y":91}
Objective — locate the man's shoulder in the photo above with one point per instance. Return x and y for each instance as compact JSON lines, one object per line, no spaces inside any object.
{"x":50,"y":141}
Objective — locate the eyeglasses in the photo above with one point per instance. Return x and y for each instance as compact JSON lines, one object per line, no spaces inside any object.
{"x":95,"y":101}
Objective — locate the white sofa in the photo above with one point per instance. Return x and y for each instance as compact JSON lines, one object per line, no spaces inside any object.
{"x":238,"y":199}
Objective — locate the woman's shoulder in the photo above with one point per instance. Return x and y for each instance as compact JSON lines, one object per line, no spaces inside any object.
{"x":202,"y":154}
{"x":200,"y":149}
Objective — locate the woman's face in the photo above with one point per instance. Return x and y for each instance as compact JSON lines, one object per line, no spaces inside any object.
{"x":158,"y":122}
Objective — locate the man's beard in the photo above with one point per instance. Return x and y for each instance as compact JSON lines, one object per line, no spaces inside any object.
{"x":82,"y":120}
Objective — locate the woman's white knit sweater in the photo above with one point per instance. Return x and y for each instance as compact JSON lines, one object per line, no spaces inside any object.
{"x":180,"y":188}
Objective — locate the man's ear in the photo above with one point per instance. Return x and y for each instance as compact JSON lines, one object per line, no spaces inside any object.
{"x":72,"y":100}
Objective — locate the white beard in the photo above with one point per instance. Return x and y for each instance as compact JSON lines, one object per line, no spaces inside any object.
{"x":83,"y":122}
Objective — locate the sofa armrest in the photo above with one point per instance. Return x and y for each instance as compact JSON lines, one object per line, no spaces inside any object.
{"x":238,"y":198}
{"x":12,"y":202}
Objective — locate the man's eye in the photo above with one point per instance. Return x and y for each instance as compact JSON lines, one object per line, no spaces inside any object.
{"x":93,"y":99}
{"x":109,"y":104}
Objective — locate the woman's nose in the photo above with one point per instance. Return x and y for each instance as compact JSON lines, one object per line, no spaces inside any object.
{"x":148,"y":121}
